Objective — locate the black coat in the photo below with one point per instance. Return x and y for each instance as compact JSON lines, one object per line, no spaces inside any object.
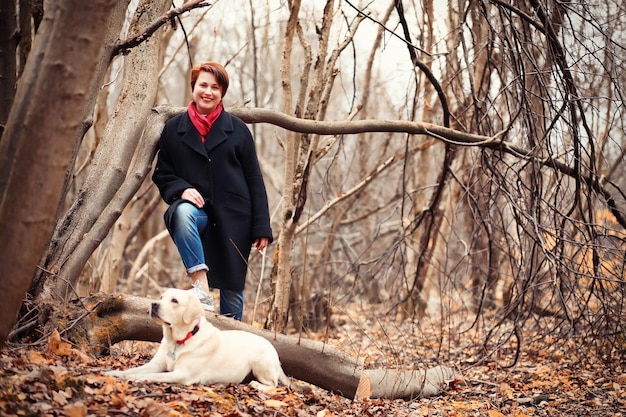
{"x":225,"y":170}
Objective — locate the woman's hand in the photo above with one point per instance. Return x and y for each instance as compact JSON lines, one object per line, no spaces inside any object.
{"x":261,"y":243}
{"x":193,"y":196}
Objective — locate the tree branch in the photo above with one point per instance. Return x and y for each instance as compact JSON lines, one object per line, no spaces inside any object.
{"x":444,"y":134}
{"x":358,"y":187}
{"x":391,"y":32}
{"x":124,"y":47}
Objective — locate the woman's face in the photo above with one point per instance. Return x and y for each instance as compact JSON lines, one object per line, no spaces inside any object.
{"x":207,"y":93}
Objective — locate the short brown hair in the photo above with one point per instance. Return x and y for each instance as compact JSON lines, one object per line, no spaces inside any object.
{"x":214,"y":68}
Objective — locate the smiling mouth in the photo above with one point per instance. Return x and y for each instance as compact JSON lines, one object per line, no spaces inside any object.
{"x":161,"y":321}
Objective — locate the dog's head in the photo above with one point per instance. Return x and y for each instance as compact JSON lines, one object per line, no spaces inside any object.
{"x":177,"y":307}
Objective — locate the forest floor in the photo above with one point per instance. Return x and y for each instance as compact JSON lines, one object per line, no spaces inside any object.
{"x":55,"y":379}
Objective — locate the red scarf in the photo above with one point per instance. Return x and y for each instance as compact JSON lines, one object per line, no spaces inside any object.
{"x":203,"y":123}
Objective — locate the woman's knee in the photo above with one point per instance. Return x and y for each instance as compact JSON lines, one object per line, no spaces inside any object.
{"x":185,"y":212}
{"x":187,"y":216}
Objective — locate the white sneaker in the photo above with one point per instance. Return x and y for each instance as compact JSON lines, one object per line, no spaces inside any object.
{"x":205,"y":299}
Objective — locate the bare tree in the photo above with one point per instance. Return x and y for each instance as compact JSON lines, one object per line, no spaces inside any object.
{"x":532,"y":224}
{"x":59,"y":71}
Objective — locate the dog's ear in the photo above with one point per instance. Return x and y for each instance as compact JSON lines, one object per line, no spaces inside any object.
{"x":193,"y":309}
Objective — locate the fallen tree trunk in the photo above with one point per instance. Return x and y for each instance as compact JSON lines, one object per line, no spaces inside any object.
{"x":111,"y":319}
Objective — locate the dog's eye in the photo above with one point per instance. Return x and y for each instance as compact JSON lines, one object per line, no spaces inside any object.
{"x":175,"y":301}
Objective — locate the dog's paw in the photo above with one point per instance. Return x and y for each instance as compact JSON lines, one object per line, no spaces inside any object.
{"x":114,"y":373}
{"x":268,"y":389}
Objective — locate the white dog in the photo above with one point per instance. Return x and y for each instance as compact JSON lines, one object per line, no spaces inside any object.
{"x":194,"y":351}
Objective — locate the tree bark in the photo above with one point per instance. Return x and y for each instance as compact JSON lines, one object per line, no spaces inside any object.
{"x":112,"y":319}
{"x":8,"y":59}
{"x":36,"y":145}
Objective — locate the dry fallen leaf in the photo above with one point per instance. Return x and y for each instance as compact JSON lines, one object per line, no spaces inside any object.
{"x":60,"y":397}
{"x":274,"y":404}
{"x":58,"y":347}
{"x":77,"y":409}
{"x":37,"y":358}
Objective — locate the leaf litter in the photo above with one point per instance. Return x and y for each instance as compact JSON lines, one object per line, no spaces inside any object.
{"x":59,"y":380}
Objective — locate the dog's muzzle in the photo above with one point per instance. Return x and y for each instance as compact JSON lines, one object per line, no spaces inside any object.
{"x":154,"y":310}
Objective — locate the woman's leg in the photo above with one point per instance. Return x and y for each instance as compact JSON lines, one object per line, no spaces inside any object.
{"x":231,"y":304}
{"x":187,"y":226}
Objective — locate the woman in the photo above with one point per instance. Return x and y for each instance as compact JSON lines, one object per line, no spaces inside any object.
{"x":208,"y":172}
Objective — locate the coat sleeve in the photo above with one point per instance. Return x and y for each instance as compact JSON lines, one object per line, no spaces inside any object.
{"x":256,"y":185}
{"x":170,"y":185}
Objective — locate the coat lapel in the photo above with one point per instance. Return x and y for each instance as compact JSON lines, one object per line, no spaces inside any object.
{"x":219,"y":132}
{"x":190,"y":136}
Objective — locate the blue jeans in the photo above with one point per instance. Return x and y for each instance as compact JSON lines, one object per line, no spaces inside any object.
{"x":231,"y":304}
{"x":188,"y":225}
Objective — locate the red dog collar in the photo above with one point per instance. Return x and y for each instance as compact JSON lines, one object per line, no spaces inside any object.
{"x":190,"y":334}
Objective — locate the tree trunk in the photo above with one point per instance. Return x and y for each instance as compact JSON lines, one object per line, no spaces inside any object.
{"x":8,"y":60}
{"x":112,"y":319}
{"x":300,"y":150}
{"x":38,"y":139}
{"x":281,"y":274}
